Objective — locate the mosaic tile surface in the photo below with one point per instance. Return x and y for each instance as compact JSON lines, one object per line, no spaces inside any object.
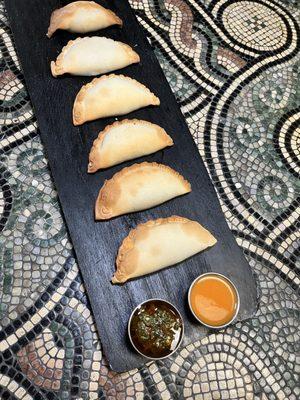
{"x":234,"y":68}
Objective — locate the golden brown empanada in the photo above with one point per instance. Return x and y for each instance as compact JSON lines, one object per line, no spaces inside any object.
{"x":126,"y":140}
{"x":157,"y":244}
{"x":137,"y":188}
{"x":91,"y":56}
{"x":82,"y":17}
{"x":109,"y":96}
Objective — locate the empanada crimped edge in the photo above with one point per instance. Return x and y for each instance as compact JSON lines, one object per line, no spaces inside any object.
{"x":57,"y":67}
{"x":125,"y":266}
{"x":104,"y":211}
{"x":101,"y":136}
{"x":66,"y":12}
{"x":55,"y":20}
{"x":77,"y":108}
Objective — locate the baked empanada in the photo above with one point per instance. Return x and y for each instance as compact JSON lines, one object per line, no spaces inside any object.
{"x":137,"y":188}
{"x":82,"y":17}
{"x":157,"y":244}
{"x":92,"y":56}
{"x":126,"y":140}
{"x":109,"y":96}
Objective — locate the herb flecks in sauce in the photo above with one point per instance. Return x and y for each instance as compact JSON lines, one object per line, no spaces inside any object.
{"x":156,"y":329}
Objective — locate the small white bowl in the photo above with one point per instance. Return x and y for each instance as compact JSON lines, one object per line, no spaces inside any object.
{"x":182,"y":331}
{"x":237,"y":296}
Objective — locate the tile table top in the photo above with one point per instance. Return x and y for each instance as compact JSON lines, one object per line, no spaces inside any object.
{"x":234,"y":68}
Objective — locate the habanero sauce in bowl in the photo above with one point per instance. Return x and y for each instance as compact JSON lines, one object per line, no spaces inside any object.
{"x":155,"y":329}
{"x":214,"y":300}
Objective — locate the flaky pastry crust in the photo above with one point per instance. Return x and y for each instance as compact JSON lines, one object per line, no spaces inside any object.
{"x":110,"y":191}
{"x":106,"y":131}
{"x":78,"y":118}
{"x":125,"y":265}
{"x":62,"y":15}
{"x":57,"y":67}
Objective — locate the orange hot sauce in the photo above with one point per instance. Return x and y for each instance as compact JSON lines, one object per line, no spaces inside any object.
{"x":214,"y":300}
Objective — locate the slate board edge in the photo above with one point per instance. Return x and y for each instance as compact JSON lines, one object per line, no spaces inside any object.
{"x":196,"y":150}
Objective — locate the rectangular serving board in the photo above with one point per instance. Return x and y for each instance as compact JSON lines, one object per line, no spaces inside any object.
{"x":67,"y":148}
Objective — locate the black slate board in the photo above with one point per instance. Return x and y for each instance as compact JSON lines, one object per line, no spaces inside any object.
{"x":67,"y":148}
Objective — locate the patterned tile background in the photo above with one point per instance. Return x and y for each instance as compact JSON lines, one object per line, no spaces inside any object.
{"x":234,"y":68}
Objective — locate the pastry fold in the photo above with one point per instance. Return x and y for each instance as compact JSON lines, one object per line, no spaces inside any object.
{"x":158,"y":244}
{"x":111,"y":95}
{"x":137,"y":188}
{"x":82,"y":17}
{"x":90,"y":56}
{"x":126,"y":140}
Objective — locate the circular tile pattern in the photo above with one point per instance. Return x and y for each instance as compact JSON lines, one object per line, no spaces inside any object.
{"x":287,"y":141}
{"x":254,"y":25}
{"x":227,"y":379}
{"x":274,"y":192}
{"x":233,"y":68}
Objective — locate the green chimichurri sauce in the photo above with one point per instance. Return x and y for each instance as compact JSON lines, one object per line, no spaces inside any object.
{"x":156,"y":328}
